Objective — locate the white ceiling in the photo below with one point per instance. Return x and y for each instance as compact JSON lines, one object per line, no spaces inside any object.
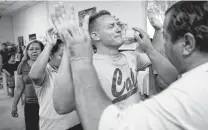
{"x":8,"y":7}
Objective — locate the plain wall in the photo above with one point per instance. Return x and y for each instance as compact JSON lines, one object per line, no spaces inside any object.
{"x":36,"y":19}
{"x":6,"y":29}
{"x":131,"y":12}
{"x":29,"y":21}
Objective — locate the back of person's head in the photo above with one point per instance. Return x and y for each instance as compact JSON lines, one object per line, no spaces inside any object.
{"x":189,"y":17}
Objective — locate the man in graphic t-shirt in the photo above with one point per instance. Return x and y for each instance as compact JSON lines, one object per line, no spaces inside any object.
{"x":116,"y":71}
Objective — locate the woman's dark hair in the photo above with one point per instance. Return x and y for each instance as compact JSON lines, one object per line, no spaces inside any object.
{"x":56,"y":46}
{"x":35,"y":41}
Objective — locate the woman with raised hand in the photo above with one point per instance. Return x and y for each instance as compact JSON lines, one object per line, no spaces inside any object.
{"x":43,"y":74}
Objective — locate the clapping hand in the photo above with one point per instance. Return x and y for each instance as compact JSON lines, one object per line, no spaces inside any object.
{"x":75,"y":37}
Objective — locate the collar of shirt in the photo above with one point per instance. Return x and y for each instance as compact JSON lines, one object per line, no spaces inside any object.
{"x":200,"y":68}
{"x":51,"y":68}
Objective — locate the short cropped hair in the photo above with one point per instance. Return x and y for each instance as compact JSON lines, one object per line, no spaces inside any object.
{"x":192,"y":17}
{"x":94,"y":17}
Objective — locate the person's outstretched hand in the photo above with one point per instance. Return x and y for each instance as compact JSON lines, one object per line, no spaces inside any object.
{"x":62,"y":19}
{"x":75,"y":37}
{"x":143,"y":39}
{"x":156,"y":23}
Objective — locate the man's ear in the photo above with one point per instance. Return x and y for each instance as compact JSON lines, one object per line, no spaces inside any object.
{"x":189,"y":44}
{"x":95,"y":36}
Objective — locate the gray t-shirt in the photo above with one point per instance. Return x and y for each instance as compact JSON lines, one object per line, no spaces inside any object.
{"x":49,"y":119}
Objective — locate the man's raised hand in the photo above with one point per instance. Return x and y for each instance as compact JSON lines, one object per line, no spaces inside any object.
{"x":75,"y":37}
{"x":62,"y":19}
{"x":79,"y":40}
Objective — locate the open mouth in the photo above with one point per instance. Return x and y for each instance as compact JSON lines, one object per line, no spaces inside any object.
{"x":34,"y":55}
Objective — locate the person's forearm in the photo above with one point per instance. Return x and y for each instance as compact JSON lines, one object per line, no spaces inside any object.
{"x":162,"y":65}
{"x":63,"y":94}
{"x":38,"y":68}
{"x":89,"y":96}
{"x":157,"y":41}
{"x":17,"y":95}
{"x":6,"y":72}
